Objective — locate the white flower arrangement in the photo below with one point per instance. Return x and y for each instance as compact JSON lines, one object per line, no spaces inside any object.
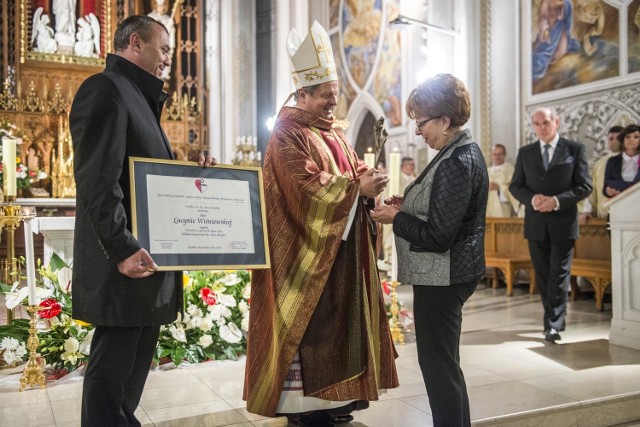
{"x":14,"y":351}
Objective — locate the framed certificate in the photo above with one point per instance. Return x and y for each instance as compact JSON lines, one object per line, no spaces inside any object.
{"x":194,"y":218}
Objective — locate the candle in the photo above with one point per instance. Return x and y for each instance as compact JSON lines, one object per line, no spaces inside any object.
{"x":9,"y":166}
{"x":31,"y":268}
{"x":259,"y":156}
{"x":370,"y":159}
{"x":394,"y":259}
{"x":394,"y":172}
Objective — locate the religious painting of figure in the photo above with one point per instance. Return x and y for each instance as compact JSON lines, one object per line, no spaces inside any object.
{"x":347,"y":92}
{"x":334,"y":13}
{"x":387,"y":82}
{"x":573,"y":42}
{"x":633,"y":36}
{"x":361,"y":25}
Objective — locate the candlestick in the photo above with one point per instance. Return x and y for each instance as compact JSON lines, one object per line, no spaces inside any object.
{"x":394,"y":172}
{"x":370,"y":159}
{"x":9,"y":166}
{"x":31,"y":268}
{"x":394,"y":325}
{"x":32,"y":374}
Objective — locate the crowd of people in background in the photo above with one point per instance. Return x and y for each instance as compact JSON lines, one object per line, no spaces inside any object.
{"x":606,"y":174}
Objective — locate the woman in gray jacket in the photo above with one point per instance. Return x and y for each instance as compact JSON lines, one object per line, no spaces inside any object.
{"x":439,"y":226}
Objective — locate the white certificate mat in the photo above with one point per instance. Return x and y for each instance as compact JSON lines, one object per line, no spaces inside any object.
{"x":199,"y":215}
{"x":194,"y":218}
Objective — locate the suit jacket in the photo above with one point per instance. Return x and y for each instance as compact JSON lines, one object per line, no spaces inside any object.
{"x":441,"y":225}
{"x":116,"y":115}
{"x":613,"y":176}
{"x":567,"y":178}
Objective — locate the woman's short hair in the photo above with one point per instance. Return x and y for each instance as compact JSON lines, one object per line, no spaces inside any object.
{"x":139,"y":24}
{"x":441,"y":95}
{"x":626,"y":131}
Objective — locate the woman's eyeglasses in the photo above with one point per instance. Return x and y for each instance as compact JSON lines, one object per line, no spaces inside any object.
{"x":424,"y":122}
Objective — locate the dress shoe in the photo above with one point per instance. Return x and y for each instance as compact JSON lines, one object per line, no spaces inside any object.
{"x":551,"y":335}
{"x":341,"y":419}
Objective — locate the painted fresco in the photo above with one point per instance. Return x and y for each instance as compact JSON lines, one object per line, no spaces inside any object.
{"x":347,"y":92}
{"x":633,"y":36}
{"x":574,"y":42}
{"x":361,"y":25}
{"x":387,"y":83}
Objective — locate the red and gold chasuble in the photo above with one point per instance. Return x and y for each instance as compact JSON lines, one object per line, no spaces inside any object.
{"x":322,"y":295}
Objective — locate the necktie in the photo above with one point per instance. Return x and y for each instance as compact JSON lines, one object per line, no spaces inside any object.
{"x":545,"y":157}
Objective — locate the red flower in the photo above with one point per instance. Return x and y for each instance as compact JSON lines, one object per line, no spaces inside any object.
{"x":207,"y":296}
{"x":49,"y":308}
{"x":385,"y":287}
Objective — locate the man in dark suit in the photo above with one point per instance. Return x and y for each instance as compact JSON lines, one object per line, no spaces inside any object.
{"x":551,"y":176}
{"x":116,"y":115}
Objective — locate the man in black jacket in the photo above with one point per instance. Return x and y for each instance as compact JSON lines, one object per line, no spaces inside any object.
{"x":551,"y":176}
{"x":116,"y":115}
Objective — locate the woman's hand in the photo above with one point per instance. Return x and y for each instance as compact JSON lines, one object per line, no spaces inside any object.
{"x":395,"y":200}
{"x":384,"y":214}
{"x":611,"y":192}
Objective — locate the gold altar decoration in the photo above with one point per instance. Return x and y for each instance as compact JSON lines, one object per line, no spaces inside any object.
{"x":394,"y":324}
{"x":37,"y":88}
{"x":63,"y":181}
{"x":33,"y":373}
{"x":247,"y":153}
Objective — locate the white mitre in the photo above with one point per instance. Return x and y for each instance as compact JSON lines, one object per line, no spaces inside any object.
{"x":311,"y":58}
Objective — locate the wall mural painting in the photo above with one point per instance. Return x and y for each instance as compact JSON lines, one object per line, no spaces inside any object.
{"x":633,"y":37}
{"x":574,"y":42}
{"x":361,"y":25}
{"x":347,"y":92}
{"x":387,"y":83}
{"x":334,"y":13}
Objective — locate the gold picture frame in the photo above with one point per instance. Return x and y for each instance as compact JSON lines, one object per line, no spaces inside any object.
{"x":26,"y":54}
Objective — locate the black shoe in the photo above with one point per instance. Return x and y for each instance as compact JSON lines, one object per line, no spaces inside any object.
{"x":341,"y":419}
{"x":552,"y":335}
{"x":311,"y":419}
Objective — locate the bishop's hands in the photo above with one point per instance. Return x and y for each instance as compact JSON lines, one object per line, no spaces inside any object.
{"x":542,"y":203}
{"x":138,"y":266}
{"x":372,"y":183}
{"x":385,"y":213}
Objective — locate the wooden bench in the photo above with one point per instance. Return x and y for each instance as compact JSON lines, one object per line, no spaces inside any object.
{"x":506,"y":249}
{"x":592,"y":259}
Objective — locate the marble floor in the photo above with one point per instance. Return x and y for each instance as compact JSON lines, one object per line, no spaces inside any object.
{"x":514,"y":378}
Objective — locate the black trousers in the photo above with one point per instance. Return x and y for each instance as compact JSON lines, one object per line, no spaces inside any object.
{"x":116,"y":373}
{"x":552,"y":264}
{"x":438,"y":321}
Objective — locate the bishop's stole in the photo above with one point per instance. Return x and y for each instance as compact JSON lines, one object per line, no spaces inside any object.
{"x":322,"y":296}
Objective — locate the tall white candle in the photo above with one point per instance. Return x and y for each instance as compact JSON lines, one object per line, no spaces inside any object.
{"x":9,"y":166}
{"x":31,"y":266}
{"x":394,"y":172}
{"x":259,"y":156}
{"x":370,"y":159}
